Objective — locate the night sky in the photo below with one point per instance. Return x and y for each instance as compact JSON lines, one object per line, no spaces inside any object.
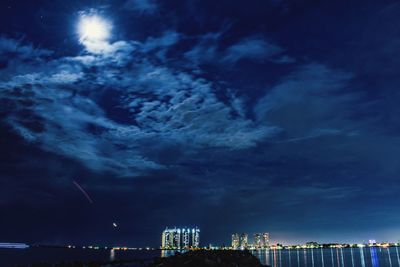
{"x":235,"y":116}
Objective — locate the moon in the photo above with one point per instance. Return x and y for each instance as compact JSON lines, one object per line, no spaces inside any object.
{"x":93,"y":28}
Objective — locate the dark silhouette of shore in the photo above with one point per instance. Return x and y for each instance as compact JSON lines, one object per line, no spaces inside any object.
{"x":209,"y":258}
{"x":125,"y":263}
{"x":198,"y":258}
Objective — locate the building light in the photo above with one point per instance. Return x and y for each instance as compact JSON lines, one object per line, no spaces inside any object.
{"x":180,"y":238}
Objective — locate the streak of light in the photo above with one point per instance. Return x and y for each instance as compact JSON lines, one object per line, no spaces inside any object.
{"x":397,"y":254}
{"x":298,"y":258}
{"x":83,"y":192}
{"x":390,"y":260}
{"x":374,"y":257}
{"x":362,"y":257}
{"x":312,"y":257}
{"x":341,"y":250}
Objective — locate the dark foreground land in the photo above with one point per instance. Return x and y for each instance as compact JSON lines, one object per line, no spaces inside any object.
{"x":124,"y":263}
{"x":214,"y":258}
{"x":199,"y":258}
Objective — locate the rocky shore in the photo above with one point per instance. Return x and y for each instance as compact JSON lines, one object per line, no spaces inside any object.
{"x":207,"y":258}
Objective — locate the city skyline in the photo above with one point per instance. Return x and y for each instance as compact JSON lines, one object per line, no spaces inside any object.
{"x":241,"y":241}
{"x":121,"y":117}
{"x":180,"y":238}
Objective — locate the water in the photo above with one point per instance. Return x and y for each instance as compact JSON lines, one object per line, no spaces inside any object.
{"x":13,"y":257}
{"x":331,"y":257}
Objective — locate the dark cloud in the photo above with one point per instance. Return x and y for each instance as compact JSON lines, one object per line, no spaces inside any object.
{"x":310,"y":102}
{"x":159,"y":102}
{"x":273,"y":116}
{"x":142,"y":6}
{"x":253,"y":48}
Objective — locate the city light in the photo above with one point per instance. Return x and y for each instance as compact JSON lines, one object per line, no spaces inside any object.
{"x":173,"y":238}
{"x":260,"y":241}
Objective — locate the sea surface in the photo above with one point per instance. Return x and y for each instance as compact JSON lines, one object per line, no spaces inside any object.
{"x":36,"y":255}
{"x":335,"y":257}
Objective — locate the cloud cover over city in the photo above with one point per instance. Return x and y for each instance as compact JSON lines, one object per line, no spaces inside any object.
{"x":196,"y":113}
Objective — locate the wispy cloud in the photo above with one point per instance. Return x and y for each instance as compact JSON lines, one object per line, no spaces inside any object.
{"x":67,"y":115}
{"x":142,"y":6}
{"x":252,"y":48}
{"x":312,"y":101}
{"x":10,"y":48}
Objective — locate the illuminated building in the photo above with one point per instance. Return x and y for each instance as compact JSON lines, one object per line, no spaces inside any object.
{"x":171,"y":239}
{"x":185,"y":238}
{"x":235,"y":241}
{"x":165,"y":239}
{"x":258,"y":241}
{"x":195,"y":237}
{"x":265,"y":240}
{"x":176,"y":238}
{"x":244,"y":241}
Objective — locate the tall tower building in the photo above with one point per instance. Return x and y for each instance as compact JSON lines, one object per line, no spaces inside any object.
{"x":176,"y":238}
{"x":244,"y":241}
{"x":235,"y":241}
{"x":265,"y":240}
{"x":185,"y":238}
{"x":167,"y":239}
{"x":258,"y":241}
{"x":195,"y":237}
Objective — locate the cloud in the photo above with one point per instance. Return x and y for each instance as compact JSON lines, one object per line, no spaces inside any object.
{"x":14,"y":48}
{"x":62,"y":105}
{"x":206,"y":49}
{"x":72,"y":126}
{"x":162,"y":44}
{"x":192,"y":112}
{"x":311,"y":101}
{"x":168,"y":39}
{"x":142,"y":6}
{"x":254,"y":48}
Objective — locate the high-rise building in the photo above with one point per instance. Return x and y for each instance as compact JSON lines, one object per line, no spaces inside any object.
{"x":244,"y":241}
{"x":186,"y":238}
{"x":265,"y":240}
{"x":235,"y":241}
{"x":165,"y":239}
{"x":195,"y":237}
{"x":258,"y":241}
{"x":168,"y":239}
{"x":176,"y":238}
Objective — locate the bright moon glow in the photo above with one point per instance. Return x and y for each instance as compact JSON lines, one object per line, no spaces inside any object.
{"x":94,"y":29}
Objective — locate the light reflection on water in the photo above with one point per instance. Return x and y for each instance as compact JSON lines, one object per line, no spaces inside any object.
{"x":348,"y":257}
{"x":330,"y":257}
{"x":168,"y":253}
{"x":112,"y":255}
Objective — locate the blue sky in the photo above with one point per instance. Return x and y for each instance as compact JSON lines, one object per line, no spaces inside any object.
{"x":277,"y":116}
